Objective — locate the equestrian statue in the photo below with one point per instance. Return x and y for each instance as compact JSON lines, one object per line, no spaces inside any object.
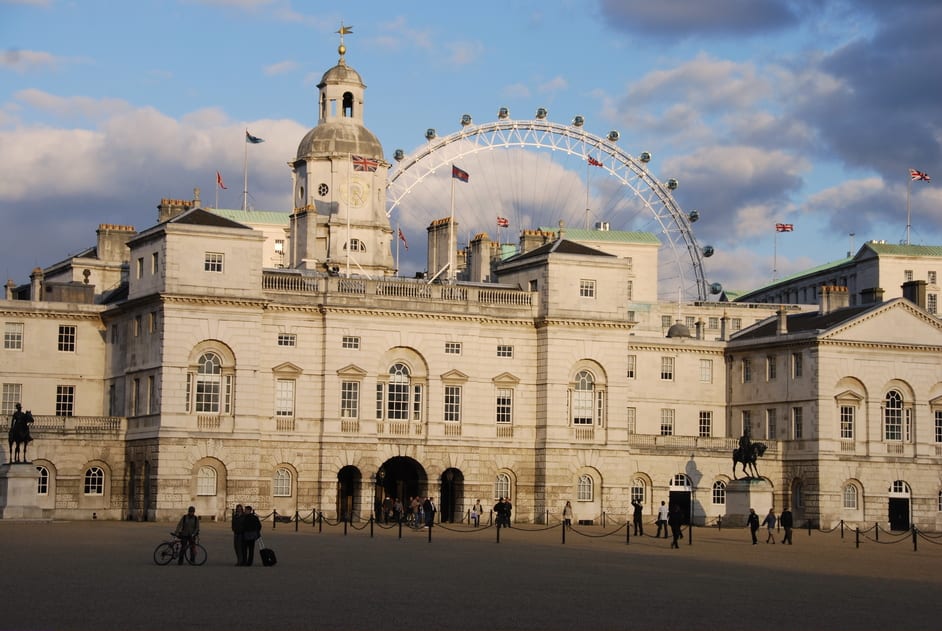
{"x":748,"y":453}
{"x":19,"y":433}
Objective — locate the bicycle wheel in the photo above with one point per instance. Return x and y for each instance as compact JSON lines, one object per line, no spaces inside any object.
{"x":196,"y":555}
{"x":163,"y":554}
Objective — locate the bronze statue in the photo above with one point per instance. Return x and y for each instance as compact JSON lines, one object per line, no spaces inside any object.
{"x":748,"y":453}
{"x":19,"y":432}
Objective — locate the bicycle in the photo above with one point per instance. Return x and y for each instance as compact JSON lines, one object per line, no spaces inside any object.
{"x":170,"y":550}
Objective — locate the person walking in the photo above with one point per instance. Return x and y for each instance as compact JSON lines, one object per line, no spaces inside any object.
{"x":567,"y":514}
{"x":188,"y":529}
{"x":675,"y":520}
{"x":237,"y":528}
{"x":662,"y":515}
{"x":476,"y":511}
{"x":753,"y":522}
{"x":251,"y":531}
{"x":787,"y":522}
{"x":637,"y":518}
{"x":428,"y":508}
{"x":769,"y":522}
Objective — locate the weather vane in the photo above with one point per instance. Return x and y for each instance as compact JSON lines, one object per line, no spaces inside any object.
{"x":344,"y":30}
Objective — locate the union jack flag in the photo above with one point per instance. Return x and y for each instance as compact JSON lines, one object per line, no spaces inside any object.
{"x":784,"y":227}
{"x":919,"y":175}
{"x":364,"y":164}
{"x":594,"y":162}
{"x":503,"y":222}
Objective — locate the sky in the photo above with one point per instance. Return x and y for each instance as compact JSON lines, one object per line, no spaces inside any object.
{"x":808,"y":112}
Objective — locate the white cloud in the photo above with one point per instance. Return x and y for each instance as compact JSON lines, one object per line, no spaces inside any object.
{"x":556,"y":84}
{"x":23,"y":61}
{"x":280,"y":67}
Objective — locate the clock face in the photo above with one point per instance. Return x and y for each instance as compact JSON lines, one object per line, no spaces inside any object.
{"x":322,"y":189}
{"x":356,"y":193}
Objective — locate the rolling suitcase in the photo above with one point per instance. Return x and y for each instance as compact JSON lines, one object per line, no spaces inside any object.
{"x":267,"y":554}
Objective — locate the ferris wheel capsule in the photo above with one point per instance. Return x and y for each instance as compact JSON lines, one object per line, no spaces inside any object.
{"x":693,"y":215}
{"x":503,"y":113}
{"x":715,"y":288}
{"x":465,"y":120}
{"x":578,"y":121}
{"x":645,"y":156}
{"x":614,"y":136}
{"x":398,"y":155}
{"x":708,"y":251}
{"x":430,"y":134}
{"x":541,"y":113}
{"x":672,"y":184}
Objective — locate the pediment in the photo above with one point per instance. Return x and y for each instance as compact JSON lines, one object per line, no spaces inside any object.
{"x":848,"y":396}
{"x":352,"y":370}
{"x":897,"y":322}
{"x":505,"y":379}
{"x":287,"y":368}
{"x":455,"y":376}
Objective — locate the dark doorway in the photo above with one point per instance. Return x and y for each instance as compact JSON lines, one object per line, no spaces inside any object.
{"x":899,"y":513}
{"x":452,"y":496}
{"x":680,"y":499}
{"x":401,"y":478}
{"x":348,"y":492}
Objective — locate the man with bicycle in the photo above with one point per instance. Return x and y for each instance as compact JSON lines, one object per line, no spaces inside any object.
{"x":188,"y":529}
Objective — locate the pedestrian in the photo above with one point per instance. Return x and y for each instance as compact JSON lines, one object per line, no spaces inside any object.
{"x":188,"y":529}
{"x":397,"y":510}
{"x":251,"y":531}
{"x":675,"y":520}
{"x":753,"y":522}
{"x":476,"y":513}
{"x":428,"y":508}
{"x":508,"y":510}
{"x":769,"y":521}
{"x":662,"y":514}
{"x":416,"y":506}
{"x":637,"y":518}
{"x":786,"y":521}
{"x":237,"y":528}
{"x":567,"y":514}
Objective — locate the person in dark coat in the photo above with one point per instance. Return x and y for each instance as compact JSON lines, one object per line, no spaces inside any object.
{"x":237,"y":516}
{"x":251,"y":531}
{"x":675,"y":520}
{"x":786,"y":521}
{"x":428,"y":508}
{"x":637,"y":518}
{"x":753,"y":522}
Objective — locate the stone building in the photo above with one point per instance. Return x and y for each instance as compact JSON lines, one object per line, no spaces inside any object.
{"x":223,"y":357}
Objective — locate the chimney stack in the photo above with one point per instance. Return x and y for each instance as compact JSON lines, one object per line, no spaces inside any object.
{"x":831,"y":298}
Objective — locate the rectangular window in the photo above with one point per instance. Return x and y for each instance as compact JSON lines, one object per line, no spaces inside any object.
{"x":932,"y":303}
{"x":938,"y":425}
{"x":279,"y":246}
{"x":65,"y":400}
{"x":632,"y":366}
{"x":452,"y":348}
{"x":847,"y":421}
{"x":631,"y":263}
{"x":736,"y":324}
{"x":212,"y":262}
{"x":713,"y":323}
{"x":631,"y":316}
{"x":379,"y":400}
{"x":135,"y":397}
{"x":287,"y":339}
{"x":66,"y":341}
{"x":586,"y":288}
{"x":796,"y":365}
{"x":706,"y":423}
{"x":140,"y":267}
{"x":152,"y":322}
{"x":505,"y":405}
{"x":155,"y":263}
{"x":771,"y":368}
{"x":136,"y":326}
{"x":630,"y":289}
{"x":706,"y":371}
{"x":907,"y":275}
{"x":746,"y":370}
{"x":631,"y":418}
{"x":453,"y":404}
{"x":797,"y":429}
{"x":284,"y":398}
{"x":746,"y":421}
{"x":503,"y":350}
{"x":665,"y":322}
{"x":667,"y":369}
{"x":667,"y":422}
{"x":771,"y":423}
{"x":351,"y":342}
{"x":690,"y":322}
{"x":151,"y":396}
{"x":417,"y":403}
{"x":350,"y":399}
{"x":13,"y":394}
{"x":932,"y":277}
{"x":13,"y":336}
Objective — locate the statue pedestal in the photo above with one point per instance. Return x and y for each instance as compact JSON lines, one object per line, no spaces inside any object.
{"x":18,"y":498}
{"x":743,"y":494}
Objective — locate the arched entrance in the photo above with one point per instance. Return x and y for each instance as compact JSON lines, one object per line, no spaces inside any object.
{"x":348,"y":492}
{"x":452,"y":496}
{"x":899,"y":495}
{"x":401,"y":478}
{"x":680,"y":495}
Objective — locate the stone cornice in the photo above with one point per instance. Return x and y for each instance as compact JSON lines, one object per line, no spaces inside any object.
{"x":216,"y":301}
{"x":583,"y":324}
{"x":881,"y":346}
{"x":57,"y":314}
{"x":420,"y":315}
{"x":681,"y":348}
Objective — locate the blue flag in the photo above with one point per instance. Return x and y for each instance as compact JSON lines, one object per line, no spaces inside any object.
{"x":249,"y":138}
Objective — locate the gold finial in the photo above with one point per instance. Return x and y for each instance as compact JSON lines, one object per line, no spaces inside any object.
{"x":344,"y":30}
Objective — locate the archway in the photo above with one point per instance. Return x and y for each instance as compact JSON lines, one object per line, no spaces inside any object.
{"x":401,"y":478}
{"x":452,"y":495}
{"x":348,"y":491}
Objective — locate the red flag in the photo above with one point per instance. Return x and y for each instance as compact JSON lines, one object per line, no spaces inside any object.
{"x":458,"y":174}
{"x":503,"y":222}
{"x":364,"y":164}
{"x":402,"y":238}
{"x":919,"y":175}
{"x":784,"y":227}
{"x":594,"y":162}
{"x":219,"y":181}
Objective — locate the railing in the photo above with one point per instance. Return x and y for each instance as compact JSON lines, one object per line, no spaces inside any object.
{"x":452,"y":429}
{"x":208,"y":421}
{"x":505,"y":430}
{"x":583,"y":433}
{"x":350,"y":426}
{"x":76,"y":424}
{"x":653,"y":441}
{"x":284,"y":423}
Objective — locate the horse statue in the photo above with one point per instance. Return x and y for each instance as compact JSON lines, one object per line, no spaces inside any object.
{"x":19,"y":433}
{"x":748,"y":457}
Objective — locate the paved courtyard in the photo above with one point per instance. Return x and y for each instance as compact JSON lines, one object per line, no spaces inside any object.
{"x":100,"y":575}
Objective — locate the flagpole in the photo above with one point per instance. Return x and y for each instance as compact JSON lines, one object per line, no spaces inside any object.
{"x":775,"y":256}
{"x":909,"y":187}
{"x":217,"y":189}
{"x":245,"y":172}
{"x":451,"y":232}
{"x":398,"y":232}
{"x":587,"y":165}
{"x":349,"y":177}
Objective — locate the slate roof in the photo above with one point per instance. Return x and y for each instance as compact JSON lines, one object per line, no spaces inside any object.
{"x":202,"y":217}
{"x":805,"y":322}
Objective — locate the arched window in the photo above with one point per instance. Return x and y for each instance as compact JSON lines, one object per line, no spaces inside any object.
{"x":94,"y":481}
{"x":893,"y":416}
{"x":638,"y":490}
{"x":681,"y":480}
{"x":206,"y":481}
{"x":583,"y":399}
{"x":355,"y":246}
{"x":348,"y":105}
{"x":208,"y":383}
{"x":42,"y":485}
{"x":850,"y":497}
{"x":502,"y":486}
{"x":586,"y":491}
{"x":397,"y":404}
{"x":719,"y":493}
{"x":281,"y":486}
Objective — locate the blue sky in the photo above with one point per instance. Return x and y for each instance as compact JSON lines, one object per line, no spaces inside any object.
{"x":766,"y":111}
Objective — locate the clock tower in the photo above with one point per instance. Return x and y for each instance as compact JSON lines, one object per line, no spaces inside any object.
{"x":339,"y":223}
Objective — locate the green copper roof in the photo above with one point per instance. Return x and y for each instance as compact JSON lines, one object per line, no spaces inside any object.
{"x":904,"y":250}
{"x":273,"y":217}
{"x":613,"y":236}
